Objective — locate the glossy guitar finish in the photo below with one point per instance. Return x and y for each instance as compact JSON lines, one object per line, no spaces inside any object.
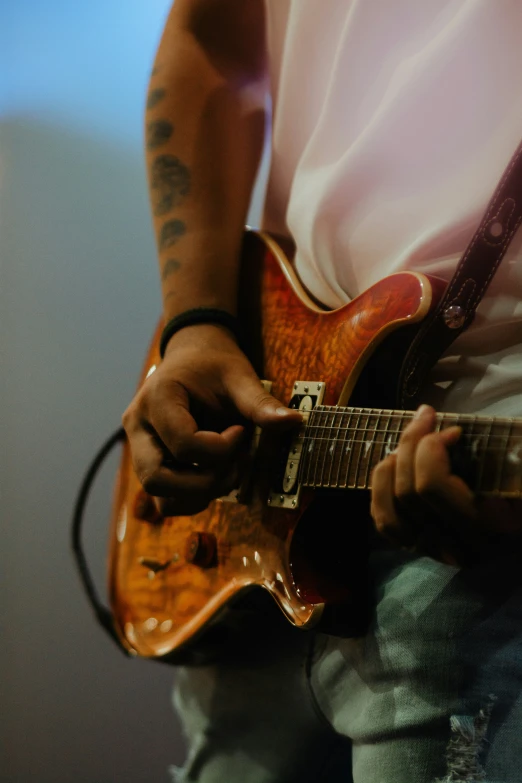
{"x":169,"y":578}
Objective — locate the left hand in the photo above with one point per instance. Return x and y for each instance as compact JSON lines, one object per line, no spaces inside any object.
{"x":418,"y":503}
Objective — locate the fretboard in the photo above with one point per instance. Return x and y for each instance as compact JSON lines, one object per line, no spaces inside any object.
{"x":341,"y":446}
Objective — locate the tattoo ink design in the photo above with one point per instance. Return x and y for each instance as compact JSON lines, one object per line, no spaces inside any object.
{"x":169,"y":182}
{"x":158,"y":133}
{"x":170,"y":233}
{"x":172,"y":265}
{"x":155,"y":96}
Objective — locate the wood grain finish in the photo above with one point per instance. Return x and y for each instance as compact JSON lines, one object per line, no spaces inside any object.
{"x":160,"y":598}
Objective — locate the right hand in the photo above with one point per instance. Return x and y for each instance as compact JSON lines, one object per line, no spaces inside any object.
{"x":186,"y":424}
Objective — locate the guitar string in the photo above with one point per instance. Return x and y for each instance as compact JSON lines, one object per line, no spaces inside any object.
{"x":392,"y":435}
{"x":515,"y":461}
{"x":357,"y":461}
{"x":438,"y":421}
{"x":392,"y":414}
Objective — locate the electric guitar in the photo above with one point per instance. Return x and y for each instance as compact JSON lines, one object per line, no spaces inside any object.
{"x":287,"y":528}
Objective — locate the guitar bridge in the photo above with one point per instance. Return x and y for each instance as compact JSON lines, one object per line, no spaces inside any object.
{"x":306,"y":395}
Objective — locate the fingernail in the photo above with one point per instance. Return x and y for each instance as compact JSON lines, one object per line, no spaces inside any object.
{"x":421,"y":411}
{"x":283,"y":411}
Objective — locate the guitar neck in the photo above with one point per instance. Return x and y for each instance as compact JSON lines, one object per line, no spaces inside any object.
{"x":340,"y":446}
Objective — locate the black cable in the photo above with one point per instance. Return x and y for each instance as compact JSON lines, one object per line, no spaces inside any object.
{"x":102,"y":613}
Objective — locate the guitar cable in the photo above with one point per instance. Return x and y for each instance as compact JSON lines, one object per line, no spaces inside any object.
{"x":102,"y":613}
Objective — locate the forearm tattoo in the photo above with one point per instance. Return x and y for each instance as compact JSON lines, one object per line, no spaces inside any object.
{"x":170,"y":233}
{"x":172,"y":265}
{"x":155,"y":96}
{"x":158,"y":133}
{"x":169,"y":182}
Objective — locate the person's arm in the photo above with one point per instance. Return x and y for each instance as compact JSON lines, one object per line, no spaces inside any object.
{"x":204,"y":129}
{"x":204,"y":136}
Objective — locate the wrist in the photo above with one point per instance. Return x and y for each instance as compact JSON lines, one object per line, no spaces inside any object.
{"x":204,"y":334}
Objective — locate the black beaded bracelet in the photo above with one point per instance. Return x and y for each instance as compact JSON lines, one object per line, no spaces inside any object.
{"x":199,"y":315}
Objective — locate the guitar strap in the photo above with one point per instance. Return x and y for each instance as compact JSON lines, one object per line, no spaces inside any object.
{"x":456,"y":310}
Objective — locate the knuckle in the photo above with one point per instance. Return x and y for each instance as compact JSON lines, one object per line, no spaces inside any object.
{"x":169,"y":388}
{"x":181,"y":449}
{"x":380,"y":518}
{"x":403,"y":491}
{"x":426,"y":487}
{"x":260,"y":399}
{"x":150,"y":483}
{"x":409,"y":434}
{"x":431,"y":440}
{"x":130,"y":414}
{"x":379,"y":470}
{"x":383,"y":468}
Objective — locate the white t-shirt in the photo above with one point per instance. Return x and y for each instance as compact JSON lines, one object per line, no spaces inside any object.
{"x":393,"y":121}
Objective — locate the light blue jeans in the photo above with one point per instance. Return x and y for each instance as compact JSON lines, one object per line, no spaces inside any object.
{"x":432,"y":693}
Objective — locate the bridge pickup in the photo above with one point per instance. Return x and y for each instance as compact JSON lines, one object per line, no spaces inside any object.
{"x":306,"y":395}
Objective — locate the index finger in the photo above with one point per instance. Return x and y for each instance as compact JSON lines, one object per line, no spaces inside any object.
{"x":177,"y":429}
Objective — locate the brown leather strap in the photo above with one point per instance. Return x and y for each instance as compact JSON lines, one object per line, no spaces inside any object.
{"x":475,"y":271}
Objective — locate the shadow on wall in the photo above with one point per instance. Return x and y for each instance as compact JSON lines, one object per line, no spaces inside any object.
{"x":79,"y":298}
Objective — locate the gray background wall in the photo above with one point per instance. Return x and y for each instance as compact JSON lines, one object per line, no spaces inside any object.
{"x":78,"y":300}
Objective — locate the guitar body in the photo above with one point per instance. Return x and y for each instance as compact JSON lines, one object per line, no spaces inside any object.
{"x":171,"y":579}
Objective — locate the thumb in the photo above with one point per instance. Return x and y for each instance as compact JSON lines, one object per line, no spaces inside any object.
{"x":260,"y":407}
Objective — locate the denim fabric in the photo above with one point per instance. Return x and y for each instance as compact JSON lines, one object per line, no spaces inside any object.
{"x":431,"y":694}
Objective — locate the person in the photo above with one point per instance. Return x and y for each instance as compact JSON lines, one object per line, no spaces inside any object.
{"x":390,"y":126}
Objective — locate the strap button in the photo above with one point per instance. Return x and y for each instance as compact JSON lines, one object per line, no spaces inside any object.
{"x":454,"y":316}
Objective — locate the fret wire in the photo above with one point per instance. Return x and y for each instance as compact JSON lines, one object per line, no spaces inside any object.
{"x":389,"y":441}
{"x":305,"y":480}
{"x":473,"y":444}
{"x":503,"y":460}
{"x":322,"y":448}
{"x":464,"y":417}
{"x":493,"y":439}
{"x":395,"y":443}
{"x":513,"y":455}
{"x":345,"y":456}
{"x":352,"y":457}
{"x":394,"y":436}
{"x":464,"y":434}
{"x":401,"y":426}
{"x":482,"y":461}
{"x":316,"y":454}
{"x":457,"y":420}
{"x":363,"y":442}
{"x":330,"y":454}
{"x":364,"y":450}
{"x":334,"y":448}
{"x":385,"y":439}
{"x":339,"y":443}
{"x":370,"y":453}
{"x":329,"y":419}
{"x":307,"y":450}
{"x":348,"y":452}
